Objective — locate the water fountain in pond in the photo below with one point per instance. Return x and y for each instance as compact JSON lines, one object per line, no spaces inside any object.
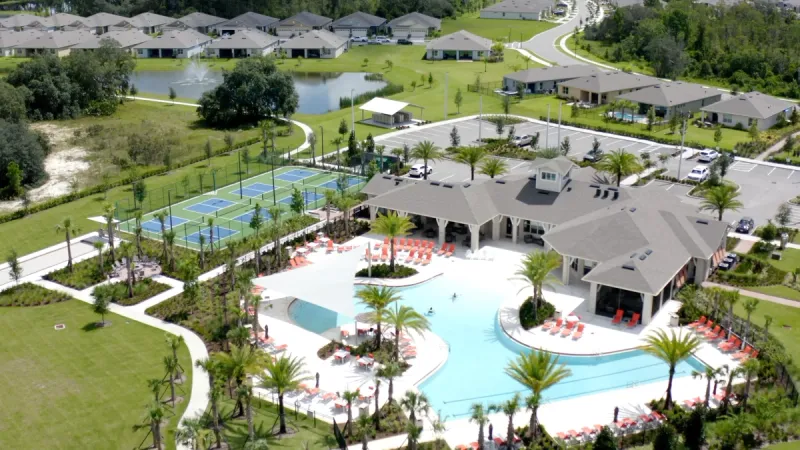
{"x":196,"y":73}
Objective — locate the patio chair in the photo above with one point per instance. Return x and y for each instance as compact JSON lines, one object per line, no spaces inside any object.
{"x":376,"y":256}
{"x":713,"y":333}
{"x":442,"y":250}
{"x":330,"y":247}
{"x":550,"y":325}
{"x":617,"y":317}
{"x":567,"y":330}
{"x":744,"y":354}
{"x":402,"y":245}
{"x":698,"y":322}
{"x":420,"y":256}
{"x":557,"y":327}
{"x":720,"y":335}
{"x":703,"y":328}
{"x":384,"y":254}
{"x":578,"y":332}
{"x":450,"y":251}
{"x":293,"y":263}
{"x":730,"y":341}
{"x":731,"y":347}
{"x":411,"y":256}
{"x":427,"y":259}
{"x":634,"y":320}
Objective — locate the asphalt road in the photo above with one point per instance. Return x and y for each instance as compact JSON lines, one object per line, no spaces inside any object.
{"x":543,"y":44}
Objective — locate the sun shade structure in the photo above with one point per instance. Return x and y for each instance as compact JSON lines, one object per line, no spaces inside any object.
{"x":327,"y":283}
{"x":388,"y":112}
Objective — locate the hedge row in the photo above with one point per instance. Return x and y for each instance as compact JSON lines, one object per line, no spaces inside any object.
{"x":97,"y":189}
{"x":635,"y":135}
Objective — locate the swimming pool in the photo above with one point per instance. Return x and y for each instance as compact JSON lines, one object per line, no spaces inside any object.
{"x":629,"y":117}
{"x":480,"y":350}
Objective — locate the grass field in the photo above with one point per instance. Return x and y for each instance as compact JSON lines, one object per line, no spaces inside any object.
{"x":74,"y":388}
{"x":496,"y":29}
{"x":777,"y":290}
{"x":785,"y":324}
{"x":231,"y":206}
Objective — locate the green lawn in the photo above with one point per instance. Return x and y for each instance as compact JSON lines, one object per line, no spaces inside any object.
{"x":777,"y":290}
{"x":74,"y":388}
{"x":785,"y":324}
{"x":598,"y":52}
{"x":789,"y":261}
{"x":496,"y":29}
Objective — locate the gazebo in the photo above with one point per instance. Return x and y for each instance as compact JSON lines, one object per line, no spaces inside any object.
{"x":388,"y":113}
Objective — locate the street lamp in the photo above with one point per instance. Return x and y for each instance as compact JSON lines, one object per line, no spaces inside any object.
{"x":353,"y":111}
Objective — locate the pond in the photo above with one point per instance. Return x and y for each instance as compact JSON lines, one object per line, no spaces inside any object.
{"x":318,"y":92}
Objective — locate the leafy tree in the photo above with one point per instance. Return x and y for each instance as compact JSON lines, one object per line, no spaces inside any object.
{"x":672,"y":349}
{"x":133,"y":91}
{"x":14,"y":179}
{"x":28,"y":149}
{"x":12,"y":103}
{"x":471,"y":156}
{"x":404,"y":319}
{"x":69,"y":229}
{"x":666,"y":438}
{"x":535,"y":270}
{"x":312,"y":144}
{"x":139,"y":191}
{"x":499,"y":124}
{"x":14,"y":266}
{"x":413,"y":85}
{"x":343,"y":128}
{"x":172,"y":94}
{"x":694,"y":433}
{"x":298,"y":202}
{"x":565,"y":146}
{"x":674,"y":123}
{"x":667,"y":56}
{"x":718,"y":136}
{"x":784,"y":215}
{"x":538,"y":371}
{"x":455,"y":139}
{"x":651,"y":118}
{"x":753,"y":131}
{"x":100,"y":306}
{"x":389,"y":64}
{"x":605,"y":440}
{"x":392,"y":226}
{"x":284,"y":374}
{"x":459,"y":99}
{"x":493,"y":167}
{"x":427,"y":151}
{"x":721,"y":198}
{"x":506,"y":104}
{"x":430,"y":80}
{"x":619,"y":164}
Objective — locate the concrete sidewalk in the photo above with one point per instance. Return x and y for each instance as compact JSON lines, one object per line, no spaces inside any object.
{"x":758,"y":295}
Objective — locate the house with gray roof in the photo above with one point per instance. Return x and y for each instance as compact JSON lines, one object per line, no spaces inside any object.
{"x":676,"y":97}
{"x":174,"y":44}
{"x":461,"y":45}
{"x":19,"y":22}
{"x":243,"y":44}
{"x":358,"y":24}
{"x":247,"y":21}
{"x":743,"y":109}
{"x":604,"y":87}
{"x":200,"y":22}
{"x":414,"y":26}
{"x":790,"y":5}
{"x":147,"y":23}
{"x":57,"y":43}
{"x":634,"y":248}
{"x":315,"y":44}
{"x":101,"y":22}
{"x":124,"y":39}
{"x":301,"y":23}
{"x":518,"y":9}
{"x":10,"y":39}
{"x":67,"y":22}
{"x":542,"y":80}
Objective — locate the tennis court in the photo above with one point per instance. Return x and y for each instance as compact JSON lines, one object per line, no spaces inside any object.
{"x":226,"y":213}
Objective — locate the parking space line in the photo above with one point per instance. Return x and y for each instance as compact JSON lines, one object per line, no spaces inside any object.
{"x":670,"y":186}
{"x":518,"y":165}
{"x":790,"y":175}
{"x":444,"y":178}
{"x":773,"y":170}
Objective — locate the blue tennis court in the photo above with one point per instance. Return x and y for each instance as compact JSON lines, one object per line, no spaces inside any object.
{"x":209,"y":206}
{"x":333,"y":185}
{"x":309,"y":197}
{"x":254,"y":190}
{"x":248,"y":216}
{"x":154,"y":226}
{"x":295,"y":175}
{"x":220,"y":233}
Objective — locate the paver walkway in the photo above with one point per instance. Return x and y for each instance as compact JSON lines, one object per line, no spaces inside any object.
{"x":758,"y":295}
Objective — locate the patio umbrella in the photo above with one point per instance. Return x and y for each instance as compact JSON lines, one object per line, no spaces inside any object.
{"x":365,"y":317}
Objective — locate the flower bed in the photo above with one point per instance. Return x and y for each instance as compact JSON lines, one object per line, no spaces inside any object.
{"x":526,"y":317}
{"x":29,"y":294}
{"x":142,"y":290}
{"x":84,"y":274}
{"x":382,"y":271}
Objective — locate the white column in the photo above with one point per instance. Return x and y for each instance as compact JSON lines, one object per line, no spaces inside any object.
{"x":373,"y":213}
{"x":402,"y":213}
{"x":647,"y":308}
{"x":565,"y":270}
{"x":547,"y":228}
{"x":496,"y":227}
{"x":475,"y":231}
{"x":581,"y":265}
{"x":592,"y":302}
{"x":515,"y":228}
{"x":442,"y":223}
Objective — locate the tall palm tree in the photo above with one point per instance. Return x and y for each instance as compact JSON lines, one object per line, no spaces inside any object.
{"x":240,"y":363}
{"x":538,"y":371}
{"x":720,"y":199}
{"x":392,"y":226}
{"x":330,"y":200}
{"x":284,"y":374}
{"x":377,"y":417}
{"x":171,"y":367}
{"x":413,"y":432}
{"x":346,"y":202}
{"x":390,"y":371}
{"x":730,"y":373}
{"x":415,"y":403}
{"x":210,"y":223}
{"x":69,"y":229}
{"x":154,"y":384}
{"x":404,"y":319}
{"x":245,"y":394}
{"x":153,"y":417}
{"x":535,"y":269}
{"x":710,"y":374}
{"x":427,"y":151}
{"x":750,"y":304}
{"x":509,"y":407}
{"x":494,"y":167}
{"x":731,"y":298}
{"x":749,"y":369}
{"x":377,"y":299}
{"x":364,"y":426}
{"x":190,"y":433}
{"x":471,"y":156}
{"x":108,"y":215}
{"x":169,"y":242}
{"x":439,"y":428}
{"x":275,"y":212}
{"x":349,"y":397}
{"x":211,"y":366}
{"x":138,"y":231}
{"x":98,"y":245}
{"x":127,"y":251}
{"x":672,"y":349}
{"x":478,"y":415}
{"x":174,"y":342}
{"x":619,"y":164}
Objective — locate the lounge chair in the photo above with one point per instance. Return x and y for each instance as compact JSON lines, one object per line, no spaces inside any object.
{"x":427,"y":259}
{"x":731,"y":340}
{"x":417,"y":245}
{"x":420,"y":256}
{"x":402,"y":245}
{"x":407,"y":246}
{"x":555,"y":330}
{"x":330,"y":246}
{"x":713,"y":333}
{"x":691,"y":403}
{"x":567,"y":330}
{"x":376,"y":256}
{"x":698,"y":322}
{"x":725,"y":347}
{"x":550,"y":325}
{"x":703,"y":328}
{"x":578,"y":332}
{"x":617,"y":317}
{"x":442,"y":250}
{"x":744,"y":354}
{"x":633,"y":321}
{"x":450,"y":251}
{"x":720,"y":335}
{"x":294,"y":264}
{"x":376,"y":246}
{"x":411,"y":256}
{"x":384,"y":254}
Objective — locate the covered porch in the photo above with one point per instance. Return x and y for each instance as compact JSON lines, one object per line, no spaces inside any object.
{"x":389,"y":113}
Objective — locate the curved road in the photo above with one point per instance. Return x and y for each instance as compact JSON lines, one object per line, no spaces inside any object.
{"x":544,"y":44}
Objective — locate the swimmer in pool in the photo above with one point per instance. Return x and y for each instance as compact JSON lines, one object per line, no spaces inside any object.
{"x":454,"y":296}
{"x":430,"y":311}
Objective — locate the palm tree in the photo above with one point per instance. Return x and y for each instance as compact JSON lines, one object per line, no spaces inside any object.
{"x":750,"y":304}
{"x":377,"y":299}
{"x":126,"y":249}
{"x":162,"y":217}
{"x":426,"y":151}
{"x":710,"y":374}
{"x":244,"y":393}
{"x":138,"y":231}
{"x":211,"y":366}
{"x":239,"y":363}
{"x":509,"y":407}
{"x":171,"y":366}
{"x":720,"y":199}
{"x":154,"y":384}
{"x":494,"y":167}
{"x":403,"y":319}
{"x":390,"y":371}
{"x":210,"y":223}
{"x":730,"y":373}
{"x":108,"y":215}
{"x":275,"y":212}
{"x":439,"y":428}
{"x":471,"y":156}
{"x":201,"y":241}
{"x":174,"y":342}
{"x":619,"y":164}
{"x":415,"y":403}
{"x":392,"y":226}
{"x":349,"y":397}
{"x":731,"y":298}
{"x":346,"y":202}
{"x":478,"y":416}
{"x":364,"y":426}
{"x":169,"y":241}
{"x":413,"y":433}
{"x":330,"y":199}
{"x":538,"y":371}
{"x":69,"y":230}
{"x":284,"y":374}
{"x":189,"y":432}
{"x":672,"y":349}
{"x":535,"y":270}
{"x":749,"y":369}
{"x":377,"y":403}
{"x":153,"y":418}
{"x":98,"y":245}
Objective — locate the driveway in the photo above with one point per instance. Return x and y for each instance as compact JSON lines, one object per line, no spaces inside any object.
{"x":543,"y":44}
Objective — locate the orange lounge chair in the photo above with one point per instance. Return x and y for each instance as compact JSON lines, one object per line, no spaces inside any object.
{"x":418,"y":244}
{"x":376,"y":256}
{"x":692,"y":402}
{"x":713,"y":333}
{"x":377,"y":245}
{"x":744,"y":353}
{"x":340,"y":249}
{"x":547,"y":324}
{"x":731,"y":340}
{"x":384,"y":254}
{"x":567,"y":330}
{"x":725,"y":347}
{"x":420,"y":257}
{"x":703,"y":328}
{"x":578,"y":332}
{"x":330,"y":247}
{"x":617,"y":317}
{"x":366,"y":254}
{"x":550,"y":325}
{"x":294,"y":264}
{"x":555,"y":330}
{"x":634,"y":320}
{"x":411,"y":256}
{"x":442,"y":250}
{"x":402,"y":245}
{"x":427,"y":259}
{"x":720,"y":335}
{"x":407,"y":246}
{"x":450,"y":251}
{"x":698,"y":322}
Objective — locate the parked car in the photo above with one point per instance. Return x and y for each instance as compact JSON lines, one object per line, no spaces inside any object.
{"x":359,"y":39}
{"x":404,"y":42}
{"x":708,"y":155}
{"x":374,"y":42}
{"x":593,"y":155}
{"x":521,"y":141}
{"x":418,"y":170}
{"x":383,"y":40}
{"x":746,"y":225}
{"x":699,"y":174}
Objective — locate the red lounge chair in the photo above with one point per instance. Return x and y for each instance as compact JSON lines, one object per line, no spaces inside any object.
{"x":698,"y":322}
{"x":330,"y":247}
{"x":417,"y":244}
{"x":427,"y":259}
{"x":730,"y":341}
{"x":376,"y":256}
{"x":294,"y":264}
{"x":567,"y":330}
{"x":744,"y":354}
{"x":410,"y":256}
{"x":557,"y":327}
{"x":634,"y":320}
{"x":713,"y":333}
{"x":730,"y":347}
{"x":420,"y":256}
{"x":442,"y":250}
{"x":402,"y":245}
{"x":720,"y":335}
{"x":691,"y":403}
{"x":384,"y":254}
{"x":377,"y":245}
{"x":550,"y":325}
{"x":704,"y":328}
{"x":617,"y":317}
{"x":408,"y":244}
{"x":450,"y":251}
{"x":578,"y":333}
{"x":563,"y":436}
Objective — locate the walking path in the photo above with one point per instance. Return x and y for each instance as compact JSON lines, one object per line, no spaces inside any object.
{"x":775,"y":148}
{"x":544,"y":44}
{"x":758,"y":295}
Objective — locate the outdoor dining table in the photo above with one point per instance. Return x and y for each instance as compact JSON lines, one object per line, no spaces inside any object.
{"x":301,"y":251}
{"x":341,"y":355}
{"x":313,"y":245}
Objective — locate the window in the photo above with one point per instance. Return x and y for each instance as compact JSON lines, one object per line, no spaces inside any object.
{"x":140,"y":51}
{"x":564,"y":90}
{"x":548,"y":176}
{"x":727,"y":118}
{"x":180,"y":51}
{"x":749,"y":122}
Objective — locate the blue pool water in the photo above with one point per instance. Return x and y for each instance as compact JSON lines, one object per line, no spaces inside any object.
{"x":628,"y":116}
{"x":480,"y":350}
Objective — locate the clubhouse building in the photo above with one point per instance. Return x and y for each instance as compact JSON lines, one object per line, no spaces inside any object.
{"x":633,"y":248}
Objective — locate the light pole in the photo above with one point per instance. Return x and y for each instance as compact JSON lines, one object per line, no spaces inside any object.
{"x":353,"y":112}
{"x":322,"y":134}
{"x":445,"y":96}
{"x":683,"y":139}
{"x":480,"y":117}
{"x":547,"y":129}
{"x":559,"y":123}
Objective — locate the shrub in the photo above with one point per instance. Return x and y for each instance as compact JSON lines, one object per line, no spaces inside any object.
{"x":526,"y":316}
{"x":666,"y":438}
{"x":694,"y":436}
{"x":142,"y":290}
{"x":382,"y":271}
{"x":762,"y":248}
{"x":768,"y":232}
{"x":605,"y":440}
{"x":84,"y":274}
{"x":28,"y":294}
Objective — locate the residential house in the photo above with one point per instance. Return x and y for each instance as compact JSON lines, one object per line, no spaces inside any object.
{"x":243,"y":44}
{"x":315,"y":44}
{"x":147,"y":23}
{"x":634,"y":248}
{"x":669,"y":98}
{"x":174,"y":44}
{"x":57,"y":43}
{"x":414,"y":26}
{"x":101,"y":22}
{"x":68,"y":22}
{"x":790,"y":5}
{"x":358,"y":24}
{"x":543,"y":80}
{"x":604,"y":87}
{"x":300,"y":23}
{"x":200,"y":22}
{"x":247,"y":21}
{"x":19,"y":22}
{"x":10,"y":39}
{"x":743,"y":109}
{"x":518,"y":9}
{"x":461,"y":45}
{"x":125,"y":39}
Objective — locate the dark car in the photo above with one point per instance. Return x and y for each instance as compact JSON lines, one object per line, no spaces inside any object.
{"x":404,"y":42}
{"x":745,"y":225}
{"x":593,"y":155}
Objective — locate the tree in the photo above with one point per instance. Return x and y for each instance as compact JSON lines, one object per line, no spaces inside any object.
{"x":171,"y":367}
{"x":389,"y":64}
{"x":619,"y":164}
{"x":605,"y":440}
{"x":13,"y":188}
{"x":14,"y":266}
{"x":343,"y":128}
{"x":493,"y":167}
{"x":364,"y":425}
{"x":478,"y":416}
{"x":12,"y":103}
{"x":667,"y":56}
{"x":721,"y":198}
{"x":672,"y":349}
{"x":404,"y":319}
{"x":69,"y":230}
{"x":312,"y":144}
{"x":427,"y":151}
{"x":471,"y":156}
{"x":565,"y":146}
{"x":153,"y":417}
{"x":192,"y":433}
{"x":413,"y":432}
{"x":298,"y":203}
{"x":26,"y":148}
{"x":350,"y":397}
{"x":390,"y":371}
{"x":666,"y":438}
{"x":377,"y":300}
{"x":253,"y":90}
{"x":413,"y":85}
{"x":718,"y":136}
{"x":455,"y":139}
{"x":100,"y":306}
{"x":535,"y":270}
{"x":784,"y":215}
{"x":211,"y":366}
{"x":537,"y":371}
{"x":506,"y":104}
{"x":509,"y":407}
{"x":284,"y":374}
{"x":459,"y":99}
{"x":651,"y":118}
{"x":109,"y":216}
{"x":750,"y":304}
{"x":139,"y":191}
{"x":722,"y":163}
{"x":172,"y":95}
{"x":674,"y":123}
{"x":753,"y":131}
{"x":694,"y":433}
{"x":392,"y":226}
{"x":430,"y":80}
{"x":749,"y":369}
{"x":710,"y":374}
{"x":499,"y":125}
{"x":415,"y":403}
